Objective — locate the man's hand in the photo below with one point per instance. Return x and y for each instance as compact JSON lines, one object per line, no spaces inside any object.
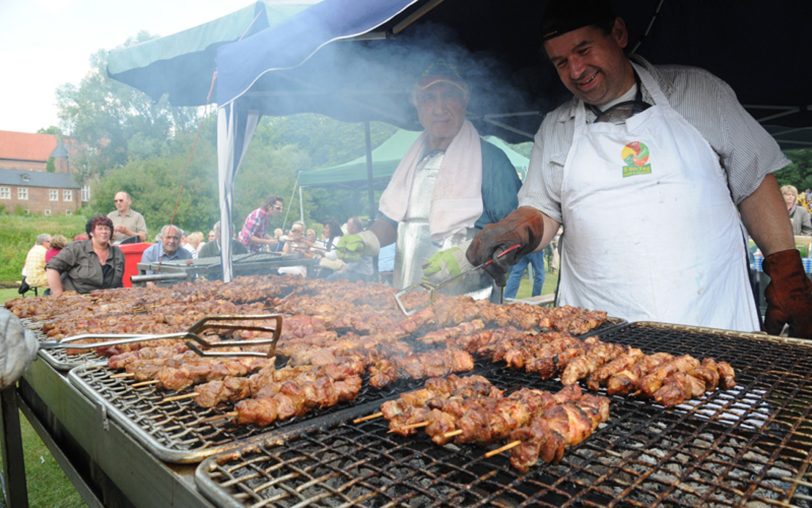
{"x":789,"y":295}
{"x":524,"y":226}
{"x":353,"y":247}
{"x":445,"y":264}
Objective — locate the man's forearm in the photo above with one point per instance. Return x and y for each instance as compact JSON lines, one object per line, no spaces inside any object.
{"x":765,"y":216}
{"x":54,"y":281}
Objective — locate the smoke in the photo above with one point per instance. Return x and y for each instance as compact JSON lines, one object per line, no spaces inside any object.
{"x":373,"y":79}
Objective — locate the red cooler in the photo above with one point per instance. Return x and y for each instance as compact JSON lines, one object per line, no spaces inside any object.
{"x":132,"y":256}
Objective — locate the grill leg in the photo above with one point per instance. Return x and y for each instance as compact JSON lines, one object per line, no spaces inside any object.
{"x":13,"y":461}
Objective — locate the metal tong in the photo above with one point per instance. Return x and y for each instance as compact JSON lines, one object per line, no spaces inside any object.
{"x":196,"y":343}
{"x":433,"y":289}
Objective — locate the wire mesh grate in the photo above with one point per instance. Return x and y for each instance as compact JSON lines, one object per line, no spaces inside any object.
{"x":747,"y":445}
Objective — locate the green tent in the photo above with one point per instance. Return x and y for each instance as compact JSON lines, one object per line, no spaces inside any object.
{"x":385,"y":159}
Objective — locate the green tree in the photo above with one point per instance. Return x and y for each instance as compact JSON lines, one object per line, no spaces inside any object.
{"x":799,"y":171}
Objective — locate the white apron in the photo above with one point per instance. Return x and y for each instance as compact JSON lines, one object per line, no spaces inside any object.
{"x":414,"y":245}
{"x":651,"y":232}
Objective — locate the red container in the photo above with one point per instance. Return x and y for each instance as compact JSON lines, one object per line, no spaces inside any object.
{"x":132,"y":256}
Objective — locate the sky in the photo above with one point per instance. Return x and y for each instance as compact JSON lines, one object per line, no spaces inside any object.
{"x":47,"y":43}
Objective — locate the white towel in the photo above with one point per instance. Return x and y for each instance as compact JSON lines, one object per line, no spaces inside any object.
{"x":457,"y":199}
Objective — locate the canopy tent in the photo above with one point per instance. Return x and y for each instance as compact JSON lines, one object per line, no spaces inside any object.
{"x":385,"y":159}
{"x":181,"y":66}
{"x":356,"y":60}
{"x":350,"y":174}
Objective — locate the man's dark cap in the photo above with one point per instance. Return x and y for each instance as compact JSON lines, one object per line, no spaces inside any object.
{"x":562,"y":16}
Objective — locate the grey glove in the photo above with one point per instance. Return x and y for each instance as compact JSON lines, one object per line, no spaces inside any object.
{"x":18,"y":348}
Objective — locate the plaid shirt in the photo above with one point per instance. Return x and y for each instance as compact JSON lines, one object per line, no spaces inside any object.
{"x":254,"y":225}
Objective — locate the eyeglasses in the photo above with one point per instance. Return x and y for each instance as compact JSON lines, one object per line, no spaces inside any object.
{"x":118,"y":200}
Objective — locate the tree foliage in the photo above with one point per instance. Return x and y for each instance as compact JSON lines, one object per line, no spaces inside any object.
{"x":799,"y":171}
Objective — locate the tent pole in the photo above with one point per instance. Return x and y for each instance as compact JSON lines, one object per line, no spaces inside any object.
{"x":370,"y":189}
{"x":301,"y":205}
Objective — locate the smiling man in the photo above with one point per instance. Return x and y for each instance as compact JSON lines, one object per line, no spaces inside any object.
{"x":168,"y":249}
{"x":652,"y":170}
{"x":448,"y":186}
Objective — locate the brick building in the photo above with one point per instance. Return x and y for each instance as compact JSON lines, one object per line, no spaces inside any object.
{"x":26,"y":183}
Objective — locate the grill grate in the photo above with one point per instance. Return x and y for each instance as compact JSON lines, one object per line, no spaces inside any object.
{"x":178,"y":431}
{"x":59,"y":358}
{"x":749,"y":445}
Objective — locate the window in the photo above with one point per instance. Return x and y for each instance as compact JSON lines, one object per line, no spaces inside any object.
{"x":47,"y":211}
{"x":22,"y":193}
{"x":67,"y":195}
{"x":5,"y":192}
{"x":53,"y":195}
{"x":85,"y":193}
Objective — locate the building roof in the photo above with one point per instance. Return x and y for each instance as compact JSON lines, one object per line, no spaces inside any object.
{"x":26,"y":147}
{"x":37,"y":179}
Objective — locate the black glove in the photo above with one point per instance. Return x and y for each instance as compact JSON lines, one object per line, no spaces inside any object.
{"x":789,"y":295}
{"x":524,"y":226}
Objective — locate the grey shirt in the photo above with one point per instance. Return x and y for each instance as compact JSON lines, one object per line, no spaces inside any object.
{"x":81,"y":270}
{"x":132,"y":220}
{"x":746,"y":151}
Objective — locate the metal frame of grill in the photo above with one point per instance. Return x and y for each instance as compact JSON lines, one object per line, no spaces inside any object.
{"x":747,"y":445}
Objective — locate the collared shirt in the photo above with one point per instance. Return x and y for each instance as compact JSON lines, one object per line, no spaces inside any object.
{"x":746,"y":151}
{"x":81,"y":270}
{"x":255,"y":225}
{"x":155,"y":254}
{"x":132,"y":220}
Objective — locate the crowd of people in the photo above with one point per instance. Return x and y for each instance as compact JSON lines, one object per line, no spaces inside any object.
{"x":616,"y":150}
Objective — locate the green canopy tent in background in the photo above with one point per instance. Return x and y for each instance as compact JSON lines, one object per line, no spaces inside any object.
{"x":385,"y":158}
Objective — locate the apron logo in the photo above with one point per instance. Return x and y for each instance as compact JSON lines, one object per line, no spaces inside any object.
{"x":635,"y":155}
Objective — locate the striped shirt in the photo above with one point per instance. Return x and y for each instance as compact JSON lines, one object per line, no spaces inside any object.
{"x":747,"y":152}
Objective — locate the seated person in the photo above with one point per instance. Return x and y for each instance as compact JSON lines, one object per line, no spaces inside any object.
{"x":167,"y":249}
{"x":85,"y":265}
{"x":296,"y":244}
{"x":211,"y":249}
{"x":34,"y":268}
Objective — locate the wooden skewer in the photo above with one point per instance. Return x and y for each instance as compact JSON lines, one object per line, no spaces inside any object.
{"x":453,"y":433}
{"x":512,"y":444}
{"x":189,"y":395}
{"x":413,"y":426}
{"x":122,"y":375}
{"x":368,"y":417}
{"x":145,"y":383}
{"x":224,"y":416}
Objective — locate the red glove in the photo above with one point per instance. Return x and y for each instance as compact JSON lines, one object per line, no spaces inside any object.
{"x":524,"y":226}
{"x":789,"y":295}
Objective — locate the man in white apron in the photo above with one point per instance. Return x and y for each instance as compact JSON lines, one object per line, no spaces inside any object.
{"x":651,"y":171}
{"x":448,"y":186}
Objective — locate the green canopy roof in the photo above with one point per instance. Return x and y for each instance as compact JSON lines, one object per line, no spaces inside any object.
{"x":181,"y":65}
{"x":385,"y":159}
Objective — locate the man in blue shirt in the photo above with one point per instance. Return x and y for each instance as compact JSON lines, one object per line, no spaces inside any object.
{"x":168,"y":249}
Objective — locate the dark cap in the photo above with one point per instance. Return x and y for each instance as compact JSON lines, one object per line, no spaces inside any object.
{"x":441,"y":72}
{"x":562,"y":16}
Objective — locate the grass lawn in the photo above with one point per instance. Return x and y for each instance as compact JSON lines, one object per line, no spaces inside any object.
{"x":47,"y":484}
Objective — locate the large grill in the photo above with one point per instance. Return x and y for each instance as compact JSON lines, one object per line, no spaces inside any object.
{"x":749,"y":445}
